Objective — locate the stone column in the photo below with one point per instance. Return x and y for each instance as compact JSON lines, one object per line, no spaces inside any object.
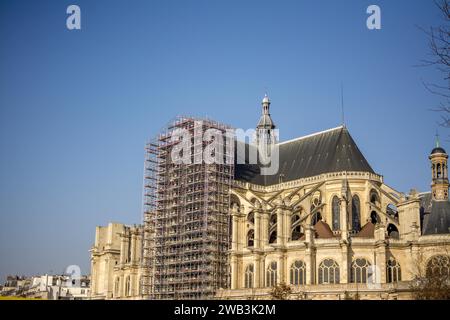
{"x":287,"y":221}
{"x":257,"y":242}
{"x":380,"y":254}
{"x":280,"y":225}
{"x":344,"y":219}
{"x":234,"y":227}
{"x":241,"y":228}
{"x":133,"y":247}
{"x":282,"y":268}
{"x":344,"y":263}
{"x":309,"y":255}
{"x":123,"y":247}
{"x":234,"y":272}
{"x":257,"y":283}
{"x":264,"y":231}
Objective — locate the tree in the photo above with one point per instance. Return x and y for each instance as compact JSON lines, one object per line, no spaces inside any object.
{"x":439,"y":44}
{"x":280,"y":292}
{"x":431,"y":283}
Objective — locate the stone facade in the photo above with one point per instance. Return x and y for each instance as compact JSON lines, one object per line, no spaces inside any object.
{"x":273,"y":233}
{"x":115,"y":262}
{"x":331,"y":228}
{"x":325,"y":224}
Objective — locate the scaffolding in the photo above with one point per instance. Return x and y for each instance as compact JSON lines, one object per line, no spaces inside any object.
{"x":186,"y":215}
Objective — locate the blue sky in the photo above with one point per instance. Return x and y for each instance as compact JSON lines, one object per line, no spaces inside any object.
{"x":76,"y":107}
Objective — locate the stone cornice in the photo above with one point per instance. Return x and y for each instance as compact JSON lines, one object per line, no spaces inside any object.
{"x":309,"y":180}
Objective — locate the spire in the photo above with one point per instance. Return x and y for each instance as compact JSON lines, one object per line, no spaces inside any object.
{"x":265,"y":122}
{"x":265,"y":135}
{"x":437,"y":139}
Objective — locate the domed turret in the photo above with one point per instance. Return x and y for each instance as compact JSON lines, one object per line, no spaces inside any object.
{"x":265,"y":136}
{"x":439,"y":184}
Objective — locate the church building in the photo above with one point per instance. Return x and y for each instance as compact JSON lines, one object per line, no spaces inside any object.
{"x":329,"y":227}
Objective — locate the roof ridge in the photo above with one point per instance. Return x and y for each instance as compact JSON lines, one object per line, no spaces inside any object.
{"x":311,"y":135}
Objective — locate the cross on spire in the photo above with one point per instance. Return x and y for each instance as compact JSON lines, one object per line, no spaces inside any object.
{"x":437,"y":139}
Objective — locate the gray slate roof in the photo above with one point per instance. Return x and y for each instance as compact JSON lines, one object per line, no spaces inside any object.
{"x":435,"y":216}
{"x":333,"y":150}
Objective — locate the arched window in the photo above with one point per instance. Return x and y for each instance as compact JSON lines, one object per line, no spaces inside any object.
{"x":250,"y":238}
{"x":272,"y":220}
{"x":298,"y":273}
{"x":234,"y":200}
{"x":393,"y":271}
{"x":392,"y":211}
{"x":438,"y":266}
{"x":328,"y":272}
{"x":296,"y":233}
{"x":356,"y":213}
{"x":271,"y":275}
{"x":251,"y":217}
{"x":249,"y":276}
{"x":392,"y":231}
{"x":374,"y":199}
{"x":374,"y":218}
{"x":316,"y":202}
{"x":336,"y":213}
{"x":273,"y":237}
{"x":316,"y":218}
{"x":360,"y":271}
{"x":439,"y":171}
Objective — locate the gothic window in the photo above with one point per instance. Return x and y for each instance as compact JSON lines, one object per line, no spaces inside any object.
{"x":271,"y":275}
{"x":250,"y":238}
{"x":273,"y":237}
{"x":392,"y":211}
{"x":356,"y":213}
{"x":249,"y":276}
{"x":374,"y":199}
{"x":328,"y":272}
{"x":296,"y":228}
{"x":374,"y":218}
{"x":315,"y":203}
{"x":336,"y":213}
{"x":298,"y":273}
{"x":316,"y":218}
{"x":392,"y":231}
{"x":273,"y":220}
{"x":296,"y":233}
{"x":393,"y":271}
{"x":251,"y":218}
{"x":360,"y":271}
{"x":439,"y":265}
